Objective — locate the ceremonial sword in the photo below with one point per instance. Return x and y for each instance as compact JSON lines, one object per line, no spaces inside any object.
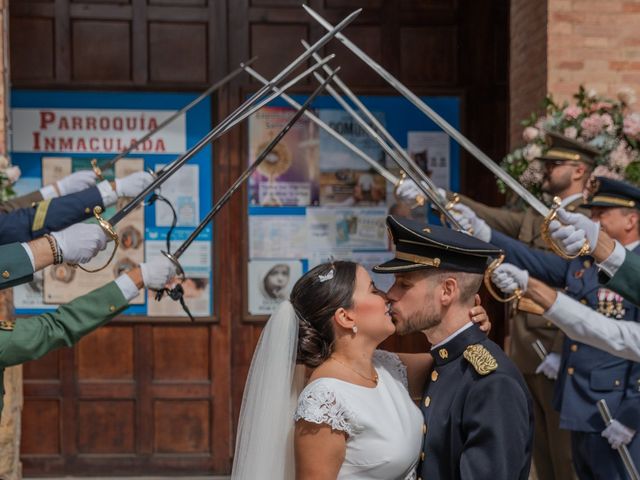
{"x":246,"y":108}
{"x":168,"y":171}
{"x":176,"y":293}
{"x":406,"y":163}
{"x":623,"y":451}
{"x":549,"y":214}
{"x":99,"y":169}
{"x":320,"y":123}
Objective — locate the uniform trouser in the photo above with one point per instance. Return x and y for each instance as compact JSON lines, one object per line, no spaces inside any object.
{"x":551,"y":446}
{"x":594,"y":458}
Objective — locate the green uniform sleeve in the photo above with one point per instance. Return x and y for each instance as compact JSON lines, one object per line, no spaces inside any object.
{"x":35,"y":336}
{"x":15,"y":266}
{"x":626,"y":280}
{"x":24,"y":201}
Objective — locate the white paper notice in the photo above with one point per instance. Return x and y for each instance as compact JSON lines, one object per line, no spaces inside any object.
{"x":431,"y":151}
{"x":183,"y":193}
{"x":277,"y":236}
{"x":347,"y":228}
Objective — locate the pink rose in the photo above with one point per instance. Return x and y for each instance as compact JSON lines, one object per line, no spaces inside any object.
{"x":631,"y":125}
{"x":594,"y":124}
{"x":572,"y":111}
{"x":531,"y":152}
{"x":620,"y":156}
{"x":601,"y":106}
{"x":570,"y":132}
{"x":530,"y":134}
{"x":532,"y":176}
{"x":13,"y":174}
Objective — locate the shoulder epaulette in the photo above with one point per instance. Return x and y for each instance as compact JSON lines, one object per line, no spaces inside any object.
{"x":481,"y":359}
{"x":7,"y":324}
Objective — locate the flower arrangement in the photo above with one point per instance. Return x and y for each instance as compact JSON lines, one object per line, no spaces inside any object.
{"x":9,"y":175}
{"x":608,"y":125}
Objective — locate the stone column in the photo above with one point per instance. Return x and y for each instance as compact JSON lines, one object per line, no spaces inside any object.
{"x":10,"y":467}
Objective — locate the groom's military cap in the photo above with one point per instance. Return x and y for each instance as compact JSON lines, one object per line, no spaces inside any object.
{"x":419,"y":246}
{"x":608,"y":192}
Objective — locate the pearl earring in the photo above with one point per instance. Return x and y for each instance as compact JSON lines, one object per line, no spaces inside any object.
{"x":354,"y":329}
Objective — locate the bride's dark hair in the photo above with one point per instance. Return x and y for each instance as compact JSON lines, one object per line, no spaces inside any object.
{"x":315,"y":298}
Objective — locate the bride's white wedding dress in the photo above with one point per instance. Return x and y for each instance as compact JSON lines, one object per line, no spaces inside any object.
{"x":383,"y":425}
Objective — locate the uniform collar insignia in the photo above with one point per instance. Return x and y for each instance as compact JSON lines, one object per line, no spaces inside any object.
{"x":454,"y":348}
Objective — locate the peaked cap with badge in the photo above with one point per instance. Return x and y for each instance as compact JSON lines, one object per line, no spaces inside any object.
{"x":419,"y":246}
{"x":567,"y":149}
{"x":467,"y":431}
{"x":608,"y":192}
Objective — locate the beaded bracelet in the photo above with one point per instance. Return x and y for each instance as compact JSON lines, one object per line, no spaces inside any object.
{"x":57,"y":254}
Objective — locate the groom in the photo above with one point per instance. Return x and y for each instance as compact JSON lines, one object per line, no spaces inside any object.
{"x":478,"y":415}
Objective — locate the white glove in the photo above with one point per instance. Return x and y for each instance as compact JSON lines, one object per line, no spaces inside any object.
{"x":571,"y":231}
{"x":408,"y":191}
{"x":508,"y":278}
{"x":76,"y":182}
{"x":81,"y":242}
{"x":470,"y":222}
{"x":157,"y":273}
{"x":133,"y":184}
{"x":550,"y":366}
{"x":617,"y":434}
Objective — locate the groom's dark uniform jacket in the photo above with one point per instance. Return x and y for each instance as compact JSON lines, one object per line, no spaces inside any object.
{"x":477,"y":409}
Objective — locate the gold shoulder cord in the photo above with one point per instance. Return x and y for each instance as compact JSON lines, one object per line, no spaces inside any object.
{"x":481,"y":359}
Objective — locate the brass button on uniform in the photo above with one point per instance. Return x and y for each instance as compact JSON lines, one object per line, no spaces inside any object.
{"x":427,"y":401}
{"x":617,"y":383}
{"x":422,"y":456}
{"x":434,"y":376}
{"x":574,"y":348}
{"x":583,"y":301}
{"x":571,"y":370}
{"x":5,"y":274}
{"x":444,"y":354}
{"x":87,"y":210}
{"x":424,"y":428}
{"x":112,"y":308}
{"x":549,"y":323}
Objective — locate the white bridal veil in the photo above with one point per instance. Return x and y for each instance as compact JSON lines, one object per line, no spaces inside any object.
{"x":264,"y":443}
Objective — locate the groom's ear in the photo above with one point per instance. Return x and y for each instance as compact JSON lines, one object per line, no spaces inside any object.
{"x":449,"y":290}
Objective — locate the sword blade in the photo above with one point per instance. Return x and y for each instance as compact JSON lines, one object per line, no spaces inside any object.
{"x":390,"y":177}
{"x":623,"y":451}
{"x":463,"y":141}
{"x":247,"y":173}
{"x":432,"y":194}
{"x":220,"y":83}
{"x":214,"y":134}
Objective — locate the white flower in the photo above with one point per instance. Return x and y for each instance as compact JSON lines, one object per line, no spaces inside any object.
{"x":13,"y":174}
{"x":4,"y":162}
{"x":570,"y":132}
{"x":592,"y":94}
{"x":531,"y":152}
{"x":627,"y":95}
{"x":530,"y":134}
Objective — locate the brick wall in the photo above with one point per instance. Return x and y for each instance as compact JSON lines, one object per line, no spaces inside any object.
{"x":527,"y":62}
{"x":595,"y":43}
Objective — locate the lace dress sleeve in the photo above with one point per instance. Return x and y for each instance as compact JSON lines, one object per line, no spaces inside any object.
{"x":318,"y":403}
{"x":392,"y":363}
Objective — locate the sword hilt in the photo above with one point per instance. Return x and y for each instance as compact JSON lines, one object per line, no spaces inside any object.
{"x":96,"y":169}
{"x":174,"y":292}
{"x":489,"y":284}
{"x":419,"y":200}
{"x":111,"y":233}
{"x":546,"y":234}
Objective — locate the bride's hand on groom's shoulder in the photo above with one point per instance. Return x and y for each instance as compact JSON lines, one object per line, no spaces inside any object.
{"x":479,"y":315}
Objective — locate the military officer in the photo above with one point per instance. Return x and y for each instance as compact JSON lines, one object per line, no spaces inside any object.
{"x":568,"y":165}
{"x":619,"y":268}
{"x":76,"y":244}
{"x":478,"y":414}
{"x":30,"y":338}
{"x":588,"y":374}
{"x":25,"y":224}
{"x":73,"y":183}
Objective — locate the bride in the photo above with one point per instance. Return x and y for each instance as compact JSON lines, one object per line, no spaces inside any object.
{"x":354,"y":419}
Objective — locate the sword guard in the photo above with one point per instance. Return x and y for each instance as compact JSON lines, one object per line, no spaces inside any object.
{"x":96,"y":169}
{"x":489,"y":284}
{"x":111,"y":233}
{"x":455,"y":199}
{"x":546,"y":235}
